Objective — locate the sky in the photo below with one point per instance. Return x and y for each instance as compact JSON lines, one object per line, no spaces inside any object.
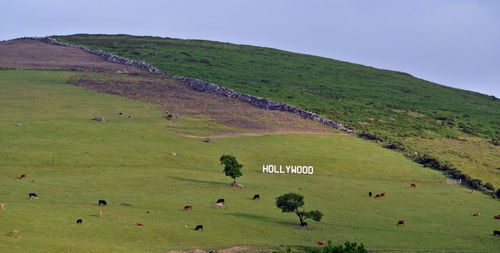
{"x":451,"y":42}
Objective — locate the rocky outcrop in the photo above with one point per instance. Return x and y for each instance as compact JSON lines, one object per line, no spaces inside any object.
{"x":263,"y":103}
{"x":106,"y":56}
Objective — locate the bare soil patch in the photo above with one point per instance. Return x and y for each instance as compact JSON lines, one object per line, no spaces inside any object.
{"x":178,"y":98}
{"x":33,"y":54}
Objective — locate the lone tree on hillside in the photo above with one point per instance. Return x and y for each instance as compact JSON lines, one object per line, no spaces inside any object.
{"x":231,"y":168}
{"x":291,"y":202}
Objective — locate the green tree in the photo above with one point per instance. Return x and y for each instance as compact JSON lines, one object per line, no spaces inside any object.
{"x":231,"y":167}
{"x":291,"y":202}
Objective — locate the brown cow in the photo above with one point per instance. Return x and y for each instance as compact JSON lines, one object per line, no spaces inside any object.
{"x":321,"y":242}
{"x":186,"y":208}
{"x":401,"y":222}
{"x":382,"y":194}
{"x":23,"y":176}
{"x":99,"y":213}
{"x":497,"y":217}
{"x":494,"y":196}
{"x":2,"y":206}
{"x":477,"y":214}
{"x":377,"y":196}
{"x":413,"y":185}
{"x":140,"y":224}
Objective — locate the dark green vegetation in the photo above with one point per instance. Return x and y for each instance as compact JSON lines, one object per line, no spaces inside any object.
{"x":347,"y":247}
{"x":389,"y":106}
{"x":291,"y":202}
{"x":232,"y":168}
{"x":71,"y":162}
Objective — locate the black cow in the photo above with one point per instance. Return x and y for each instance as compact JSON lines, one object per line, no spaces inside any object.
{"x":303,"y":224}
{"x":198,"y":227}
{"x":256,"y":196}
{"x":103,"y":202}
{"x":370,"y":194}
{"x":220,"y":201}
{"x":496,"y":233}
{"x":33,"y":196}
{"x":79,"y":221}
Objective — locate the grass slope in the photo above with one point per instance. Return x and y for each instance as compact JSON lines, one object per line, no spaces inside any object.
{"x":72,"y":161}
{"x":393,"y":106}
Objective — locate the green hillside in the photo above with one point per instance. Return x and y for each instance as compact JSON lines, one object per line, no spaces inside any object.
{"x":72,"y":161}
{"x":387,"y":105}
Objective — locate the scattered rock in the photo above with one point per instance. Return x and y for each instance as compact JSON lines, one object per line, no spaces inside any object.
{"x":174,"y":154}
{"x":99,"y":118}
{"x":173,"y":117}
{"x":19,"y":125}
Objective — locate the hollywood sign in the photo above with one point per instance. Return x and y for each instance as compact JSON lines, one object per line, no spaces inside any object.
{"x":288,"y":169}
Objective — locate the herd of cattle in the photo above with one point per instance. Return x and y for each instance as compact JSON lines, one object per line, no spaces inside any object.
{"x":403,"y":222}
{"x":220,"y":202}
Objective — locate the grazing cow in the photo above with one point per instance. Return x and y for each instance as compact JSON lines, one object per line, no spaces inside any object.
{"x":303,"y":224}
{"x":321,"y":242}
{"x":2,"y":206}
{"x":494,"y":196}
{"x":22,"y":176}
{"x":496,"y":233}
{"x":220,"y":201}
{"x":370,"y":194}
{"x":377,"y":196}
{"x":497,"y":217}
{"x":477,"y":214}
{"x":217,"y":205}
{"x":186,"y":208}
{"x":102,"y":202}
{"x":256,"y":196}
{"x":140,"y":224}
{"x":382,"y":194}
{"x":79,"y":221}
{"x":413,"y":185}
{"x":15,"y":231}
{"x":33,"y":195}
{"x":401,"y":222}
{"x":99,"y":213}
{"x":18,"y":237}
{"x":198,"y":227}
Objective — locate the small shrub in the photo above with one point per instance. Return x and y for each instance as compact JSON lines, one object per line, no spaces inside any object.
{"x":489,"y":186}
{"x":475,"y":184}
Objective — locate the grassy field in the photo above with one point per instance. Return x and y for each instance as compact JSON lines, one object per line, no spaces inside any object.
{"x":72,"y":162}
{"x":391,"y":105}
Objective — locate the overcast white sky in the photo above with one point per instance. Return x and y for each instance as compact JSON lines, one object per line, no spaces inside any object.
{"x":451,"y":42}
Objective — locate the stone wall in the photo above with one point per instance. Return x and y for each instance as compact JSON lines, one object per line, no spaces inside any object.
{"x":263,"y":103}
{"x":203,"y":86}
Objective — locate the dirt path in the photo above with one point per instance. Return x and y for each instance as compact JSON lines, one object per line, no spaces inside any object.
{"x":263,"y":133}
